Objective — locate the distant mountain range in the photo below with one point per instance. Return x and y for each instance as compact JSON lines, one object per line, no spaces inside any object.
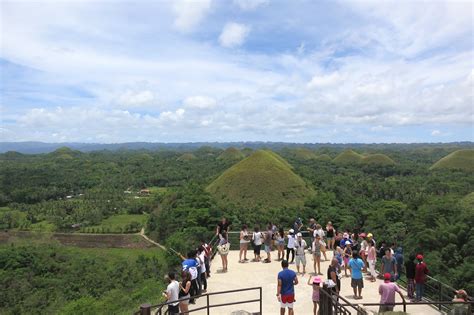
{"x":32,"y":147}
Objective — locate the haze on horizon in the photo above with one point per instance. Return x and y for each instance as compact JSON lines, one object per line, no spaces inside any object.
{"x":241,"y":70}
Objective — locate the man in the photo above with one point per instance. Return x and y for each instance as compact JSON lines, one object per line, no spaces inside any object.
{"x":287,"y":280}
{"x":268,"y":244}
{"x":223,"y":228}
{"x":300,"y":246}
{"x":298,"y":225}
{"x":191,"y":265}
{"x":357,"y":282}
{"x":420,"y":277}
{"x":311,"y":228}
{"x":171,"y":294}
{"x":387,"y":294}
{"x":389,"y":265}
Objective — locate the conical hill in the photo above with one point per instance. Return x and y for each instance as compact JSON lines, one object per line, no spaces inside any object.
{"x":458,"y":160}
{"x":264,"y":179}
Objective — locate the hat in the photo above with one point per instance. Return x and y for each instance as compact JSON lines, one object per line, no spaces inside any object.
{"x":362,"y":235}
{"x":317,"y":280}
{"x":387,"y":276}
{"x":291,"y":231}
{"x":419,"y":257}
{"x":347,"y":243}
{"x":345,"y":235}
{"x":462,"y":294}
{"x":299,"y":234}
{"x":369,"y":235}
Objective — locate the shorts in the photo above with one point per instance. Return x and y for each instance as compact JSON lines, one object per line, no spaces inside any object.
{"x":287,"y":300}
{"x":329,"y":238}
{"x":268,"y":248}
{"x":386,"y":308}
{"x":185,"y":302}
{"x":173,"y":309}
{"x":317,"y":254}
{"x":300,"y":259}
{"x":357,"y":283}
{"x":256,"y":249}
{"x":244,"y":245}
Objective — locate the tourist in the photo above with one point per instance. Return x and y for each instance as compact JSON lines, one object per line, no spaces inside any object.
{"x":372,"y":260}
{"x":172,"y":294}
{"x":207,"y":257}
{"x":357,"y":281}
{"x":298,"y":225}
{"x":268,"y":243}
{"x":280,"y":240}
{"x":223,"y":249}
{"x":330,"y":236}
{"x":339,"y":254}
{"x":191,"y":265}
{"x":389,"y":264}
{"x":420,"y":277}
{"x":257,"y":243}
{"x":290,"y":247}
{"x":287,"y":280}
{"x":317,"y":244}
{"x":355,"y":243}
{"x":399,"y":258}
{"x":223,"y":228}
{"x":347,"y":256}
{"x":333,"y":274}
{"x":410,"y":270}
{"x":387,"y":291}
{"x":184,"y":292}
{"x":319,"y":231}
{"x":461,"y":309}
{"x":300,"y":247}
{"x":382,"y":249}
{"x":364,"y":248}
{"x":244,"y":243}
{"x":338,"y":240}
{"x":203,"y":274}
{"x":274,"y":233}
{"x":370,"y":237}
{"x":316,"y":284}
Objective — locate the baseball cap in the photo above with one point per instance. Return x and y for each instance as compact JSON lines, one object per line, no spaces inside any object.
{"x":369,"y":235}
{"x":299,"y":234}
{"x":291,"y":231}
{"x":362,"y":235}
{"x":387,"y":276}
{"x":317,"y":280}
{"x":419,"y":257}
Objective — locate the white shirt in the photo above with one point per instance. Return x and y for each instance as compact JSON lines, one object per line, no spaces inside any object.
{"x":291,"y":241}
{"x":257,"y":238}
{"x":201,"y":258}
{"x":300,"y":247}
{"x":173,"y":292}
{"x":319,"y":232}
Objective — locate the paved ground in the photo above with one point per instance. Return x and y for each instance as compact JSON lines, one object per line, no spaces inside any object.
{"x":255,"y":274}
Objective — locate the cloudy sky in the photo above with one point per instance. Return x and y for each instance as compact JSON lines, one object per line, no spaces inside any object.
{"x":236,"y":70}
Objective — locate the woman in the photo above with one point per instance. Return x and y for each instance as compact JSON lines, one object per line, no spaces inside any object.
{"x":223,"y":249}
{"x":347,"y":256}
{"x":333,"y":274}
{"x":319,"y":231}
{"x":317,"y":245}
{"x":316,"y":284}
{"x":364,"y":247}
{"x":372,"y":259}
{"x":330,"y":236}
{"x":184,"y":288}
{"x":244,"y":243}
{"x":290,"y":247}
{"x":223,"y":228}
{"x":257,"y":243}
{"x":280,"y":240}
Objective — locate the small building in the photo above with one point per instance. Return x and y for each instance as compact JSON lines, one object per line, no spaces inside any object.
{"x":144,"y":192}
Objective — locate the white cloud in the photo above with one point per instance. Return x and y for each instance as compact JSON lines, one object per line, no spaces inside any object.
{"x":189,"y":13}
{"x":435,"y":133}
{"x":324,"y":80}
{"x":248,"y":5}
{"x":136,"y":99}
{"x":233,"y":34}
{"x":200,"y":102}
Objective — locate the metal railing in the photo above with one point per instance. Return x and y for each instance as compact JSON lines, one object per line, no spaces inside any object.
{"x":329,"y":303}
{"x":159,"y":309}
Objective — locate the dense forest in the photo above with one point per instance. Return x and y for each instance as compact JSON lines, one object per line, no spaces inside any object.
{"x":423,"y":210}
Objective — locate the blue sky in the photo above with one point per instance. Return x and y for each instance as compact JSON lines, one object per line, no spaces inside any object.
{"x":237,"y":70}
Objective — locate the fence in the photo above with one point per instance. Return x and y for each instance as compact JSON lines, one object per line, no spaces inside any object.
{"x":161,"y":309}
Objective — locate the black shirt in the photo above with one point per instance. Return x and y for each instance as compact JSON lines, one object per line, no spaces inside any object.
{"x":223,"y":227}
{"x":410,"y":267}
{"x":338,"y":281}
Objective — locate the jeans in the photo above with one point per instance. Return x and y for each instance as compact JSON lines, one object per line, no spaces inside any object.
{"x":420,"y":290}
{"x":292,"y":251}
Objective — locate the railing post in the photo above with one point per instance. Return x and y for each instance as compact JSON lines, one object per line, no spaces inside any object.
{"x":261,"y":306}
{"x":440,"y":297}
{"x":404,"y":306}
{"x":145,"y":309}
{"x":208,"y":309}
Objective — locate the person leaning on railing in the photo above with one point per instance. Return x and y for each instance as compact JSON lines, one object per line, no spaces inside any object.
{"x":461,"y":309}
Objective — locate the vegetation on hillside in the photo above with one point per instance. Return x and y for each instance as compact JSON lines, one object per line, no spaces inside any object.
{"x":348,"y":157}
{"x":458,"y":160}
{"x":231,"y":154}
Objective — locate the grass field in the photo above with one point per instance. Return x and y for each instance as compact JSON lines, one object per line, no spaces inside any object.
{"x":122,"y":223}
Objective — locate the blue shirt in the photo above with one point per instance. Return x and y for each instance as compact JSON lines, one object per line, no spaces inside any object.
{"x":189,"y":263}
{"x":356,"y":267}
{"x":287,"y":277}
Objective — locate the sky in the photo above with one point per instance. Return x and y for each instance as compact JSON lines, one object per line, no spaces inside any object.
{"x":237,"y":70}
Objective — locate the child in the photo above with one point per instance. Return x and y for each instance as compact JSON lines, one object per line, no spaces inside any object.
{"x":316,"y":286}
{"x":338,"y":255}
{"x":347,"y":256}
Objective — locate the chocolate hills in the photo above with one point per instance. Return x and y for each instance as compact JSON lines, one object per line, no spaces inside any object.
{"x":457,"y":160}
{"x":186,"y":157}
{"x":231,"y":154}
{"x":264,"y":179}
{"x":377,"y":159}
{"x":348,"y":157}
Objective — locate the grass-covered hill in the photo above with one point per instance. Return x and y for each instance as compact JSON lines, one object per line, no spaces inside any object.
{"x":459,"y":160}
{"x":377,"y":159}
{"x":186,"y":157}
{"x":263,"y":179}
{"x":323,"y":157}
{"x":303,"y":154}
{"x":231,"y":154}
{"x":348,"y":157}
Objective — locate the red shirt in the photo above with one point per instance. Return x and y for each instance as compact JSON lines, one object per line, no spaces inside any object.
{"x":420,"y":272}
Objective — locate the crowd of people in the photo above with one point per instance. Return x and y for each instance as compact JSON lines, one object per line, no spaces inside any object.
{"x":353,"y":255}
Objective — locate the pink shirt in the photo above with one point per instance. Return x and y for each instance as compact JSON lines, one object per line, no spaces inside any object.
{"x":371,"y":255}
{"x":387,"y":291}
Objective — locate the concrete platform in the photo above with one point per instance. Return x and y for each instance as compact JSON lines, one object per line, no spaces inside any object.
{"x":254,"y":274}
